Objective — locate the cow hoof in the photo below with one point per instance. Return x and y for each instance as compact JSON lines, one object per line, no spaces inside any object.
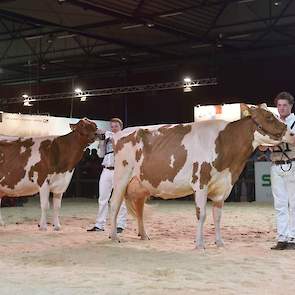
{"x":219,"y":244}
{"x":200,"y":249}
{"x":114,"y":238}
{"x":42,"y":227}
{"x":57,"y":228}
{"x":200,"y":246}
{"x":144,"y":237}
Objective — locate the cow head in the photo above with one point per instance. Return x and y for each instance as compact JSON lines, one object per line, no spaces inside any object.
{"x":270,"y":130}
{"x":86,"y":128}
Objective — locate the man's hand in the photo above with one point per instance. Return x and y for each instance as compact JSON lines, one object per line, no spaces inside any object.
{"x":100,"y":131}
{"x":264,"y":148}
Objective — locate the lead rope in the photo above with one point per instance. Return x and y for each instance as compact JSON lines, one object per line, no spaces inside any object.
{"x":285,"y":154}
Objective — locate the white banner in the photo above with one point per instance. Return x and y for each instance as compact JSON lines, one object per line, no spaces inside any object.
{"x":37,"y":125}
{"x":262,"y":182}
{"x":227,"y":112}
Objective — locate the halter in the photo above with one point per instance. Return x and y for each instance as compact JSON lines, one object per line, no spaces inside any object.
{"x":261,"y":129}
{"x":89,"y":140}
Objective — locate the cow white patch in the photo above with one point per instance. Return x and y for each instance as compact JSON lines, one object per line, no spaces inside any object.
{"x":172,"y":160}
{"x":156,"y":133}
{"x":260,"y":139}
{"x":22,"y":150}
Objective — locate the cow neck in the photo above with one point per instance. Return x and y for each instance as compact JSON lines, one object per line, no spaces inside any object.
{"x":234,"y":145}
{"x":73,"y":145}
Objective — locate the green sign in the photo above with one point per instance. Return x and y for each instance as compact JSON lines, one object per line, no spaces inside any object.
{"x":266,"y":180}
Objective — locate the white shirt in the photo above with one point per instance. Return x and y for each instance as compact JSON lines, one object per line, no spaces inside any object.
{"x":105,"y":150}
{"x":287,"y":148}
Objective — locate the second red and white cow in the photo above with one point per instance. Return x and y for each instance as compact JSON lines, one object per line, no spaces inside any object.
{"x":44,"y":165}
{"x":204,"y":158}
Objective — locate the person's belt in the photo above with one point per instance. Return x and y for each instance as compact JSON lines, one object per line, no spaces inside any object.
{"x":282,"y":162}
{"x":109,"y":168}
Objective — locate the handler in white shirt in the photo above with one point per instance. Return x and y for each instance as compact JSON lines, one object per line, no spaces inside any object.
{"x":283,"y":178}
{"x":106,"y":179}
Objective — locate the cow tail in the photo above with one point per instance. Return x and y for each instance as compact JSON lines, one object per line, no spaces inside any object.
{"x":130,"y":206}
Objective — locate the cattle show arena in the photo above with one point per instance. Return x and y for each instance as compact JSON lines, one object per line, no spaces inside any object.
{"x":147,"y":147}
{"x":75,"y":262}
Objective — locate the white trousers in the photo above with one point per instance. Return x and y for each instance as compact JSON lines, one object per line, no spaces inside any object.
{"x":283,"y":190}
{"x":105,"y":191}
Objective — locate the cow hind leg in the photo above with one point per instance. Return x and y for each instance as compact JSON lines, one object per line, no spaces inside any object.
{"x":56,"y":209}
{"x":201,"y":201}
{"x":135,"y":199}
{"x":139,"y":205}
{"x":1,"y":219}
{"x":217,"y":211}
{"x":44,"y":203}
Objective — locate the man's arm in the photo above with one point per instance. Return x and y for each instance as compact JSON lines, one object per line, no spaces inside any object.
{"x":101,"y":144}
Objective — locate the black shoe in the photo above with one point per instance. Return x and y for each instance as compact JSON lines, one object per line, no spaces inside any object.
{"x":120,"y":230}
{"x":291,"y":246}
{"x":95,"y":228}
{"x":280,"y":246}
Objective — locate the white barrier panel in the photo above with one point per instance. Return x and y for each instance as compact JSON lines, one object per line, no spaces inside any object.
{"x":36,"y":125}
{"x":262,"y":182}
{"x":227,"y":112}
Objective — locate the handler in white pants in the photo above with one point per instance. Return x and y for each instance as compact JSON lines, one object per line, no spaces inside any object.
{"x":105,"y":191}
{"x":283,"y":189}
{"x":283,"y":178}
{"x":106,"y":180}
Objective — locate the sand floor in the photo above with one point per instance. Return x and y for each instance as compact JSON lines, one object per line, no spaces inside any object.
{"x":73,"y":261}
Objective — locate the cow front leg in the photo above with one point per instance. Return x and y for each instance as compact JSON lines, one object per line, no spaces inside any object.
{"x":201,"y":201}
{"x":44,"y":203}
{"x":217,"y":211}
{"x":56,"y":209}
{"x":1,"y":219}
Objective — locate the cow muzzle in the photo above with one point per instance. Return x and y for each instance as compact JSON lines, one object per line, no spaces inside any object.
{"x":289,"y":137}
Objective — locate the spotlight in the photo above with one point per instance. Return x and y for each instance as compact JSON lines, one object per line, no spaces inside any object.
{"x":78,"y":90}
{"x":83,"y":98}
{"x":25,"y":96}
{"x":219,"y":44}
{"x":187,"y":84}
{"x":187,"y":89}
{"x":27,"y":102}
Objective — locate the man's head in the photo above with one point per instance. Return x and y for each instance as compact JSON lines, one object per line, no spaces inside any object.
{"x":116,"y":125}
{"x":284,"y":102}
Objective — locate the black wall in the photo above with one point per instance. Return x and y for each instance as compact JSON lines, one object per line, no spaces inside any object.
{"x":252,"y":81}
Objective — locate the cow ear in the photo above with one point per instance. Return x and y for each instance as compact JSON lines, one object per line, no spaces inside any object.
{"x":73,"y":126}
{"x":245,"y":111}
{"x":263,"y":106}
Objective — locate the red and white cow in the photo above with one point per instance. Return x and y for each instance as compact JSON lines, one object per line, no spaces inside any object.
{"x":44,"y":165}
{"x":204,"y":158}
